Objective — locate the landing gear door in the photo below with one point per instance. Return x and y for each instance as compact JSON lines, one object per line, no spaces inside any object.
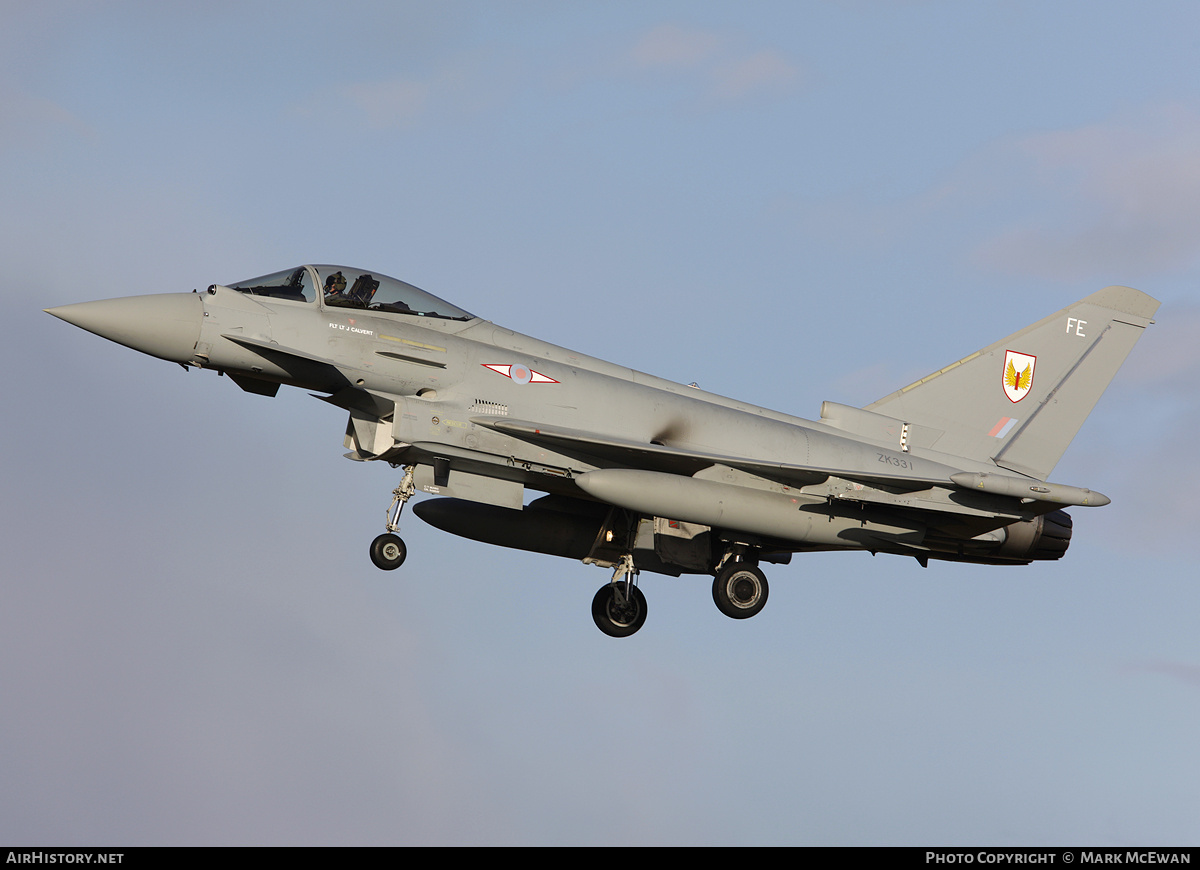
{"x":472,"y":487}
{"x":687,"y":545}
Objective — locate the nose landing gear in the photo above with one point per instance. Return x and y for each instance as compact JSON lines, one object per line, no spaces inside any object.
{"x":388,"y":550}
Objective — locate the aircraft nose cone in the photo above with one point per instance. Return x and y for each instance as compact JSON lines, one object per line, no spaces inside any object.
{"x":165,"y":325}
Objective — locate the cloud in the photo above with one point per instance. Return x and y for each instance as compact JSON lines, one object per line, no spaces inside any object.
{"x":1182,"y":671}
{"x":672,"y":46}
{"x":30,"y":120}
{"x":380,"y":105}
{"x":462,"y":86}
{"x":760,"y":72}
{"x":721,"y":65}
{"x":395,"y":103}
{"x":1121,"y":197}
{"x":1114,"y":202}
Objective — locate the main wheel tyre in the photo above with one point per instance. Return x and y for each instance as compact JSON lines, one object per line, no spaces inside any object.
{"x":619,"y":618}
{"x":740,"y":590}
{"x":388,"y":552}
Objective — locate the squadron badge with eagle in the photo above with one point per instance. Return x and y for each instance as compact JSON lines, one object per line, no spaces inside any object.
{"x":1018,"y":374}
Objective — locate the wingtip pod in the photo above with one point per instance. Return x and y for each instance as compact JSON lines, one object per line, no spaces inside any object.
{"x":1015,"y":487}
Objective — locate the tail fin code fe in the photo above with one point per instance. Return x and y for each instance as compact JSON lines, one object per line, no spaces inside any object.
{"x":1020,"y":402}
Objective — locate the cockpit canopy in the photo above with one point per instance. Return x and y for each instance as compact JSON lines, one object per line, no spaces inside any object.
{"x":345,"y":287}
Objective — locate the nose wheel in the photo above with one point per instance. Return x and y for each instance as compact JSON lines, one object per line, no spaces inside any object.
{"x":388,"y":552}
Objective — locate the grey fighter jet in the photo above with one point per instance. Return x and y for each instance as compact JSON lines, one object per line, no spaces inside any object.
{"x":641,"y":474}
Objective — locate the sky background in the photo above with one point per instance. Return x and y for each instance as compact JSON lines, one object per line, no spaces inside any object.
{"x":785,"y":202}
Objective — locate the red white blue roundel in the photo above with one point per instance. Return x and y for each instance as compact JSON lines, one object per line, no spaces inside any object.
{"x":521,"y":374}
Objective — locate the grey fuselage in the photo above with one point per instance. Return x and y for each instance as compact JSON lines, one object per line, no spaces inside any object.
{"x":482,"y":413}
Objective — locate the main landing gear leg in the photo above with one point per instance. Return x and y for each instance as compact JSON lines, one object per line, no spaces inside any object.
{"x":388,"y":550}
{"x":619,"y":608}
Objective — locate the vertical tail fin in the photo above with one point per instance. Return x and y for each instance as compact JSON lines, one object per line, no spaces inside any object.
{"x":1020,"y":401}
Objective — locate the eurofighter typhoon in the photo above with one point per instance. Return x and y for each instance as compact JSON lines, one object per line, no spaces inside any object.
{"x":636,"y":473}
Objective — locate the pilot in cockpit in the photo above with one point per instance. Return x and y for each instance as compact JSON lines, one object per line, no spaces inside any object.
{"x":335,"y":285}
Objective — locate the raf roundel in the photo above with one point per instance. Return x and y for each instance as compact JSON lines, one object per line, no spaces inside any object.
{"x":520,"y":374}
